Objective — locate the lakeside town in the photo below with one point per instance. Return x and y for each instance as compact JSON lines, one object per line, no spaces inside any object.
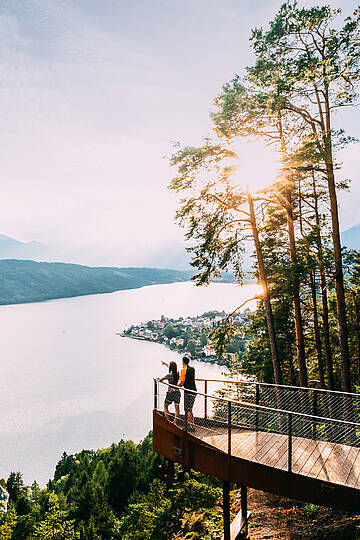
{"x":191,"y":335}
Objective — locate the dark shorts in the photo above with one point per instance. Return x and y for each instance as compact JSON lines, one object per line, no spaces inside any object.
{"x":189,"y":399}
{"x":172,"y":396}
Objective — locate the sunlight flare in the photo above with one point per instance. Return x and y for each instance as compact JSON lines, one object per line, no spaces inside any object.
{"x":258,"y":165}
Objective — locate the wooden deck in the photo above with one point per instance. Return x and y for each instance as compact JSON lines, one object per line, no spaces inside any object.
{"x":322,"y":472}
{"x":331,"y":462}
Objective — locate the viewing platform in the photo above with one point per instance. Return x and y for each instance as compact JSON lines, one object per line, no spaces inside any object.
{"x":301,"y":443}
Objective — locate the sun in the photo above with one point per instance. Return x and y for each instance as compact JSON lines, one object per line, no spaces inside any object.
{"x":258,"y":165}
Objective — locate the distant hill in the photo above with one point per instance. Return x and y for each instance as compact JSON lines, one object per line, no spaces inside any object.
{"x":10,"y":248}
{"x":351,"y":237}
{"x":30,"y":281}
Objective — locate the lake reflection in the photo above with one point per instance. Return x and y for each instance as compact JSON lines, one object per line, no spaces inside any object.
{"x":70,"y":382}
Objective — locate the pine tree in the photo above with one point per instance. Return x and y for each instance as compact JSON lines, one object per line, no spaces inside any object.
{"x":55,"y":525}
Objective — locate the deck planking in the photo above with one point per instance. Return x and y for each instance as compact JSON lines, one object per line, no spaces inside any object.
{"x":332,"y":462}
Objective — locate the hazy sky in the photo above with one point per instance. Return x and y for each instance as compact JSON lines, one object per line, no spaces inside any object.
{"x":93,"y":92}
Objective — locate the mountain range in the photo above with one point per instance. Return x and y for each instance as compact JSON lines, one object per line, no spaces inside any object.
{"x":23,"y":280}
{"x":351,"y":237}
{"x":174,"y":256}
{"x":30,"y":281}
{"x":10,"y":248}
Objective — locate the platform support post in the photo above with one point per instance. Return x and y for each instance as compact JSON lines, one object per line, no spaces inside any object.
{"x":170,"y":472}
{"x":226,"y":509}
{"x":244,"y":510}
{"x":155,"y":394}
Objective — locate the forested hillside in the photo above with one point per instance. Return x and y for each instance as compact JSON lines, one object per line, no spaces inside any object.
{"x":118,"y":493}
{"x":123,"y":493}
{"x":30,"y":281}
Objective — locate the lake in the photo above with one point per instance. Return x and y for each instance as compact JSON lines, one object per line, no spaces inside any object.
{"x":69,"y":382}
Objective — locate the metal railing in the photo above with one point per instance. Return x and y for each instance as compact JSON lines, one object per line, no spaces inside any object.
{"x":293,"y":440}
{"x":315,"y":401}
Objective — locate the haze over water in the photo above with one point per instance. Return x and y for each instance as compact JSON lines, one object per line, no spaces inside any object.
{"x":70,"y":382}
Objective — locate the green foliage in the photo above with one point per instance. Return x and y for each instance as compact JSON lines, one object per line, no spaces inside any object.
{"x":112,"y":494}
{"x":191,"y":346}
{"x":203,"y":339}
{"x":8,"y":524}
{"x":122,"y":479}
{"x":100,"y":474}
{"x":222,"y":336}
{"x":55,"y":525}
{"x":148,"y":515}
{"x":311,"y":510}
{"x":170,"y":331}
{"x":307,"y":65}
{"x":15,"y":486}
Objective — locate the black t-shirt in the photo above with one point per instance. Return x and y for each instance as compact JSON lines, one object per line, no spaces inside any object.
{"x":190,"y":378}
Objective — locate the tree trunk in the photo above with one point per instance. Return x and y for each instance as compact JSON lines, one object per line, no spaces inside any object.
{"x":268,"y":309}
{"x":339,"y":283}
{"x":317,"y":330}
{"x":300,"y":343}
{"x":324,"y":296}
{"x":339,"y":278}
{"x":326,"y":333}
{"x":357,"y":323}
{"x":288,"y":205}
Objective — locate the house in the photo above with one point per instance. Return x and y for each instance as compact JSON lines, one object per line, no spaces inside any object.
{"x":4,"y":498}
{"x":176,"y":341}
{"x":209,"y":350}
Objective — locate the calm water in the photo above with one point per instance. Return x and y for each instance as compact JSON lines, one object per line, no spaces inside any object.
{"x":68,"y":382}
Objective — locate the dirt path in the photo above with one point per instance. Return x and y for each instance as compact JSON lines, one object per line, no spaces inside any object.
{"x":274,"y":517}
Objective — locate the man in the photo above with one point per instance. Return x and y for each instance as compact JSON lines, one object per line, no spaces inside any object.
{"x":187,"y":380}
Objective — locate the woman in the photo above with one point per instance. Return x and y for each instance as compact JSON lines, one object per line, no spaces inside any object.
{"x":173,"y":394}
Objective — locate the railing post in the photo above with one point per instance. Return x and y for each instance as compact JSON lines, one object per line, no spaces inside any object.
{"x":315,"y":412}
{"x":315,"y":403}
{"x":185,"y":412}
{"x":257,"y":401}
{"x":205,"y":402}
{"x":229,"y":430}
{"x":289,"y":442}
{"x":155,"y":395}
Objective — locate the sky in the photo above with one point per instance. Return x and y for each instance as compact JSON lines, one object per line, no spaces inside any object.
{"x":93,"y":95}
